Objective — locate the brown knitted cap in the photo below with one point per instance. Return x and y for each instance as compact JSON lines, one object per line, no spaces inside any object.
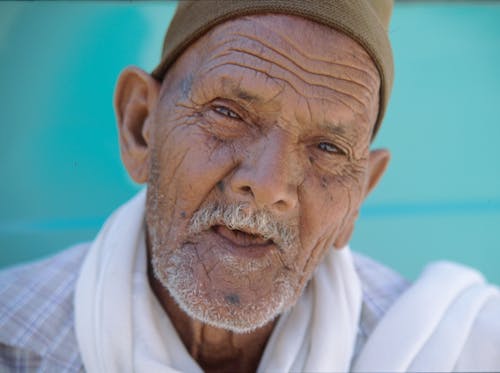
{"x":365,"y":21}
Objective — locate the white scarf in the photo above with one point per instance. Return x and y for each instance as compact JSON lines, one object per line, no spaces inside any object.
{"x":121,"y":327}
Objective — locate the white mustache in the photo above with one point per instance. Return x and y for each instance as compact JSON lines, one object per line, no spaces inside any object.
{"x":238,"y":217}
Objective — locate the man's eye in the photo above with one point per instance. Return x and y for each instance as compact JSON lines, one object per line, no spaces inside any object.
{"x":329,"y":148}
{"x":222,"y":110}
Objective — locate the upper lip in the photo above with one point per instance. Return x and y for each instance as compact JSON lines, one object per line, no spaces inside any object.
{"x":254,"y":235}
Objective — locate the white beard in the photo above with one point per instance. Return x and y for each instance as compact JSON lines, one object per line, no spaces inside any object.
{"x":227,"y":312}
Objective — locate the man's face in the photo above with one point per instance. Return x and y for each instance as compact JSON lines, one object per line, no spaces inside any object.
{"x":259,"y":151}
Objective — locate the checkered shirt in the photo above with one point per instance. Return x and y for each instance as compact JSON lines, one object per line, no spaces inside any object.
{"x":37,"y":315}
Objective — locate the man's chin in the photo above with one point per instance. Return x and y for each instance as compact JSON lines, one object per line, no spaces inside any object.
{"x":243,"y":320}
{"x":218,"y":304}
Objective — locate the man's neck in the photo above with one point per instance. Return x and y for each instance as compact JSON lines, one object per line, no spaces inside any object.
{"x":213,"y":348}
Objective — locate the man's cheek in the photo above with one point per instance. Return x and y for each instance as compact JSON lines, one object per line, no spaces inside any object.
{"x":324,"y":211}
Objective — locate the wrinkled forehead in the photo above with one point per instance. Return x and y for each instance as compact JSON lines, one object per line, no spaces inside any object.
{"x":297,"y":36}
{"x":311,"y":59}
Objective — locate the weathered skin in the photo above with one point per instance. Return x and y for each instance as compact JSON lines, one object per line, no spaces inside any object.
{"x":274,"y":111}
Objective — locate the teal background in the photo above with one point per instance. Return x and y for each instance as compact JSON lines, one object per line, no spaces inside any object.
{"x":60,"y":168}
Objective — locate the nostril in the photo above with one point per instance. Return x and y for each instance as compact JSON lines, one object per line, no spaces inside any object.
{"x":281,"y":205}
{"x":247,"y":189}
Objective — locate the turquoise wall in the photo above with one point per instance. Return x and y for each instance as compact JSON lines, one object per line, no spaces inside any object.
{"x":61,"y":173}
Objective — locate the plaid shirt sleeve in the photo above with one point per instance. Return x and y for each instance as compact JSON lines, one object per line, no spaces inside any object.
{"x":36,"y":315}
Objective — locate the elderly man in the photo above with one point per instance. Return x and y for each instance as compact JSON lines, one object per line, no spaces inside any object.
{"x":253,"y":137}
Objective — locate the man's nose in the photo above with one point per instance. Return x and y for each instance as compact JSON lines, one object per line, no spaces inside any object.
{"x":267,"y":175}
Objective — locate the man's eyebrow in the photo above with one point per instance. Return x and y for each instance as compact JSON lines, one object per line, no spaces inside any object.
{"x":335,"y":128}
{"x":245,"y":95}
{"x":248,"y":94}
{"x":236,"y":89}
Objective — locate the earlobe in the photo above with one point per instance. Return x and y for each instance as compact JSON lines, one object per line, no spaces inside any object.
{"x":136,"y":96}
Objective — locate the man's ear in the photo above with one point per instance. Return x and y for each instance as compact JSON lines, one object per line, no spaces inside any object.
{"x":136,"y":96}
{"x":377,"y":164}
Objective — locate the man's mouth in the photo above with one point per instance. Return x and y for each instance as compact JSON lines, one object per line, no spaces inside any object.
{"x":241,"y":238}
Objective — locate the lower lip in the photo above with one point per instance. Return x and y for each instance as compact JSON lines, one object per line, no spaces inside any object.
{"x":248,"y":250}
